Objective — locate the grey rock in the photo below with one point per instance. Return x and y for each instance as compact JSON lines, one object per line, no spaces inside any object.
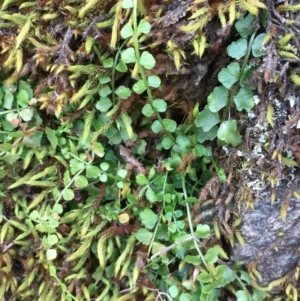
{"x":270,"y":241}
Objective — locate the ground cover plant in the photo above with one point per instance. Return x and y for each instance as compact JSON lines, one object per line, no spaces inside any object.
{"x":112,"y":120}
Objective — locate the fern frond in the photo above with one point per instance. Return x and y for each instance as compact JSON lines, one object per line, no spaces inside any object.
{"x":85,"y":245}
{"x":23,"y":33}
{"x":125,"y":254}
{"x":88,"y":118}
{"x":115,"y":27}
{"x":82,"y":92}
{"x":89,"y":4}
{"x":288,"y":7}
{"x":18,"y":19}
{"x":101,"y":249}
{"x":127,"y":122}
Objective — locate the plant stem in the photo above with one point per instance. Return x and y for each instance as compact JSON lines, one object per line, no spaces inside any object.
{"x":191,"y":226}
{"x":160,"y":216}
{"x":137,"y":54}
{"x":237,"y":85}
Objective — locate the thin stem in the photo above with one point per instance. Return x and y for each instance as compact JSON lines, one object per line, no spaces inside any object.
{"x":191,"y":226}
{"x":114,"y":72}
{"x":160,"y":217}
{"x":137,"y":54}
{"x":237,"y":85}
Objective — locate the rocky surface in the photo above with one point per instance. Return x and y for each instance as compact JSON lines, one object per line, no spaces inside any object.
{"x":271,"y":241}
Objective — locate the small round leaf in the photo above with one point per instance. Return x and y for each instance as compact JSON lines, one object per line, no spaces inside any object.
{"x":156,"y":126}
{"x":147,"y":110}
{"x":144,"y":26}
{"x":128,"y":55}
{"x":126,"y":31}
{"x":238,"y":48}
{"x":159,"y":105}
{"x":147,"y":60}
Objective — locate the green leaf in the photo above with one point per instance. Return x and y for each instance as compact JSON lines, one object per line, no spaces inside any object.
{"x":144,"y":26}
{"x":245,"y":277}
{"x":122,"y":173}
{"x":150,"y":195}
{"x":167,"y":142}
{"x":258,"y":295}
{"x":147,"y":110}
{"x":156,"y":126}
{"x":182,"y":141}
{"x":185,"y":297}
{"x":228,"y":132}
{"x":68,"y":194}
{"x":52,"y":239}
{"x":53,"y":223}
{"x":51,"y":254}
{"x":210,"y":135}
{"x":169,"y":125}
{"x":108,"y":63}
{"x":212,"y":255}
{"x":243,"y":296}
{"x":128,"y":56}
{"x":244,"y":99}
{"x":98,"y":149}
{"x":58,"y":208}
{"x":51,"y":137}
{"x":141,"y":180}
{"x":224,"y":276}
{"x":76,"y":166}
{"x":202,"y":231}
{"x":23,"y":98}
{"x":206,"y":119}
{"x":154,"y":81}
{"x":10,"y":158}
{"x":230,"y":75}
{"x":104,"y":79}
{"x":159,"y":105}
{"x":218,"y":99}
{"x":8,"y":100}
{"x":195,"y":260}
{"x":148,"y":218}
{"x":123,"y":92}
{"x":207,"y":289}
{"x":245,"y":26}
{"x":204,"y":277}
{"x":26,"y":114}
{"x":121,"y":67}
{"x":103,"y":104}
{"x":173,"y":291}
{"x":105,"y":91}
{"x":34,"y":140}
{"x":92,"y":171}
{"x":81,"y":181}
{"x":238,"y":48}
{"x":127,"y":4}
{"x":147,"y":60}
{"x":139,"y":87}
{"x":144,"y":236}
{"x":12,"y":116}
{"x":257,"y":46}
{"x":52,"y":269}
{"x":103,"y":178}
{"x":23,"y":85}
{"x":248,"y":76}
{"x":126,"y":31}
{"x":104,"y":166}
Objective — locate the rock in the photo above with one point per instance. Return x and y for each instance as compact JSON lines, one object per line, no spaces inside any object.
{"x":271,"y":242}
